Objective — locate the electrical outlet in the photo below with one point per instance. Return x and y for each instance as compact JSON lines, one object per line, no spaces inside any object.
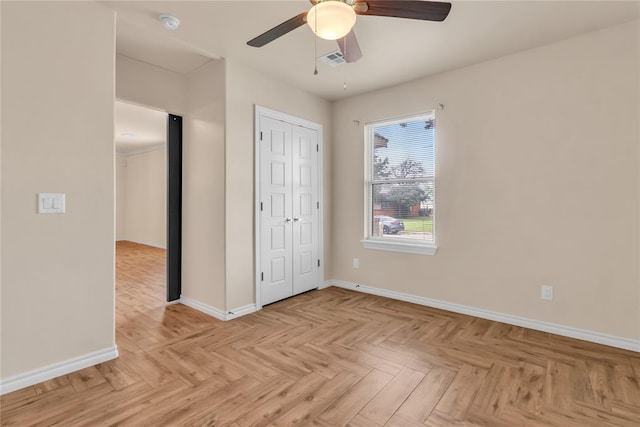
{"x":546,"y":292}
{"x":356,"y":263}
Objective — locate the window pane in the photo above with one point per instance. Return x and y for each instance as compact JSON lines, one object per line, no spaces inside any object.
{"x":403,"y":210}
{"x":404,"y":150}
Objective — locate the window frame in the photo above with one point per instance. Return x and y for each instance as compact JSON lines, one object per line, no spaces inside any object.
{"x":389,"y":243}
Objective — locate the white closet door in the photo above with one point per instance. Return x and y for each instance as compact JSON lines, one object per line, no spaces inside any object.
{"x":305,"y":209}
{"x":276,"y":216}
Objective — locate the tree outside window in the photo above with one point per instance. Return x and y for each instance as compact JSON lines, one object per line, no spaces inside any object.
{"x":401,"y":181}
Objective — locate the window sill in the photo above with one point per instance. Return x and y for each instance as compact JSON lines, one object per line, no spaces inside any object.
{"x":395,"y":246}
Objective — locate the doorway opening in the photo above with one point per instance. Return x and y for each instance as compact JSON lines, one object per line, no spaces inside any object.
{"x":148,"y":206}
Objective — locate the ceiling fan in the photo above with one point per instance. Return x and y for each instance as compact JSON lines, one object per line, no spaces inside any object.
{"x":334,"y":20}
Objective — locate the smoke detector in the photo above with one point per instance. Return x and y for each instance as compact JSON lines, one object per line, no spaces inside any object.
{"x":335,"y":58}
{"x":169,"y":22}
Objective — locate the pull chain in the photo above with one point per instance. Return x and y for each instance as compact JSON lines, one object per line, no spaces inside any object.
{"x":344,"y":84}
{"x":315,"y":46}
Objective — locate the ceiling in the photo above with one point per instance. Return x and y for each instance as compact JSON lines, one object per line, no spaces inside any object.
{"x":165,"y":52}
{"x":138,"y":129}
{"x":395,"y":50}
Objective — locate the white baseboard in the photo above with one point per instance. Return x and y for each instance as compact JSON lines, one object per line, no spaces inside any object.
{"x":216,"y":312}
{"x":553,"y":328}
{"x":241,"y":311}
{"x":36,"y":376}
{"x":325,"y":284}
{"x":206,"y":309}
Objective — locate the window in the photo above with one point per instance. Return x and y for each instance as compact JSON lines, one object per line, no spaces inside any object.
{"x":401,"y":185}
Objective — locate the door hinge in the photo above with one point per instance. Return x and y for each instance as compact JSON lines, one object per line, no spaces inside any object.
{"x":260,"y":135}
{"x":318,"y":205}
{"x":317,"y":148}
{"x":261,"y":206}
{"x":262,"y":277}
{"x":318,"y":263}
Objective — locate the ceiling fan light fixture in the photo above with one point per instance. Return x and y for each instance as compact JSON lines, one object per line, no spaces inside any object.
{"x":334,"y":18}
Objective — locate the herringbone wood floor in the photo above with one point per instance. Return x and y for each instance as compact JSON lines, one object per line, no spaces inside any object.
{"x":328,"y":358}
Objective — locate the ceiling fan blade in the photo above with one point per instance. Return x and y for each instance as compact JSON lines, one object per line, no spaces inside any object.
{"x":412,"y":9}
{"x":279,"y":30}
{"x":349,"y":47}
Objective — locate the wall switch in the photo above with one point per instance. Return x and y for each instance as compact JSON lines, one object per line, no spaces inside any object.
{"x":546,"y":292}
{"x":50,"y":203}
{"x":356,"y":263}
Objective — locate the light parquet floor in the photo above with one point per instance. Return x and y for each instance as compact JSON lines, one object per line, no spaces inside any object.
{"x":328,"y":358}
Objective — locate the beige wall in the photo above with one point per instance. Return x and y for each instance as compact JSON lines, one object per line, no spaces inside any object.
{"x":143,"y":182}
{"x":245,"y":88}
{"x":57,"y":136}
{"x":199,"y":97}
{"x":215,"y":218}
{"x":203,"y":238}
{"x":217,"y":101}
{"x":538,"y":180}
{"x":150,"y":86}
{"x":638,"y":177}
{"x":537,"y":183}
{"x":1,"y":175}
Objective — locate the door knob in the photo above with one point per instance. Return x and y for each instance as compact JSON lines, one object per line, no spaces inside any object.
{"x":296,"y":219}
{"x":287,"y":219}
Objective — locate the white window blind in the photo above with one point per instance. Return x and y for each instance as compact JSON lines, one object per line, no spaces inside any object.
{"x":401,"y":181}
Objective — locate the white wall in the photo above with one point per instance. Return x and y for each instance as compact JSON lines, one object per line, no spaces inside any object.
{"x":203,"y":239}
{"x":537,"y":183}
{"x":141,"y":197}
{"x":245,"y":88}
{"x":150,"y":86}
{"x":121,"y":189}
{"x":153,"y":87}
{"x":57,"y":136}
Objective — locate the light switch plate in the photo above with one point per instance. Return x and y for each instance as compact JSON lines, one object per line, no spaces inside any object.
{"x":51,"y":203}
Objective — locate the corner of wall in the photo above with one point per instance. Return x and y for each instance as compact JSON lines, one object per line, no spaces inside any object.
{"x":204,"y":187}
